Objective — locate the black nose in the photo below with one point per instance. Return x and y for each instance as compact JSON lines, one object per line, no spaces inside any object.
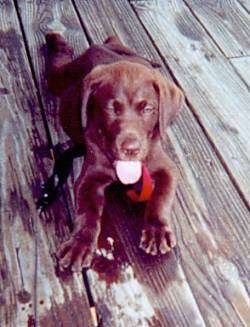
{"x":130,"y":146}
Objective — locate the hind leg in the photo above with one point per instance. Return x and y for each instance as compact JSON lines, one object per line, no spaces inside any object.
{"x":63,"y":81}
{"x":63,"y":72}
{"x":59,"y":52}
{"x":59,"y":55}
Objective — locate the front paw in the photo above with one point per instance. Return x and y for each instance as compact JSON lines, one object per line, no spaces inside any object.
{"x":77,"y":252}
{"x":157,"y":239}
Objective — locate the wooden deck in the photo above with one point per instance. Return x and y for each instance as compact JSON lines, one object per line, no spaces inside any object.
{"x":205,"y":47}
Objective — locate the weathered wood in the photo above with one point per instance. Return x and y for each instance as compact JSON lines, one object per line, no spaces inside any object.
{"x":43,"y":17}
{"x":212,"y":87}
{"x":211,"y":220}
{"x":30,"y":290}
{"x":242,"y":66}
{"x":227,"y":22}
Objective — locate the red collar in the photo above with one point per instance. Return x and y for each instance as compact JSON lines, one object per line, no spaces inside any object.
{"x":143,"y":189}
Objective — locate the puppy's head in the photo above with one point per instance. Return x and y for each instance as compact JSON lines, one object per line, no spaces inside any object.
{"x":128,"y":105}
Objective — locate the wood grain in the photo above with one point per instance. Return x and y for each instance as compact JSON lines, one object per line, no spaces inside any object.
{"x":227,"y":22}
{"x":30,"y":290}
{"x":41,"y":18}
{"x":242,"y":66}
{"x":211,"y":219}
{"x":212,"y":87}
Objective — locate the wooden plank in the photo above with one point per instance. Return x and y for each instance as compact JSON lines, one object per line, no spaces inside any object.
{"x":242,"y":66}
{"x":217,"y":95}
{"x":227,"y":22}
{"x":30,"y":291}
{"x":211,"y":220}
{"x":41,"y":18}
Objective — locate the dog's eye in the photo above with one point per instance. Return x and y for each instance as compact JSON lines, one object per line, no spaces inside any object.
{"x":147,"y":110}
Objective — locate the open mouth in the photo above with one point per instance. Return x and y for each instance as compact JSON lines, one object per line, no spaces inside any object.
{"x":128,"y":172}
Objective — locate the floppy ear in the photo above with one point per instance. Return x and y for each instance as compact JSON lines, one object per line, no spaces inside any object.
{"x":171,"y":100}
{"x":89,"y":83}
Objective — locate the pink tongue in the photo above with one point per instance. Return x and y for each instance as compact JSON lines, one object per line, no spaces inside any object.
{"x":128,"y":172}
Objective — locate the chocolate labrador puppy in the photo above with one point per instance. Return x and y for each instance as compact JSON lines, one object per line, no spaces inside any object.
{"x":117,"y":106}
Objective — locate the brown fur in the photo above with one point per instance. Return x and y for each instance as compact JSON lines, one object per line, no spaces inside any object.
{"x":116,"y":105}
